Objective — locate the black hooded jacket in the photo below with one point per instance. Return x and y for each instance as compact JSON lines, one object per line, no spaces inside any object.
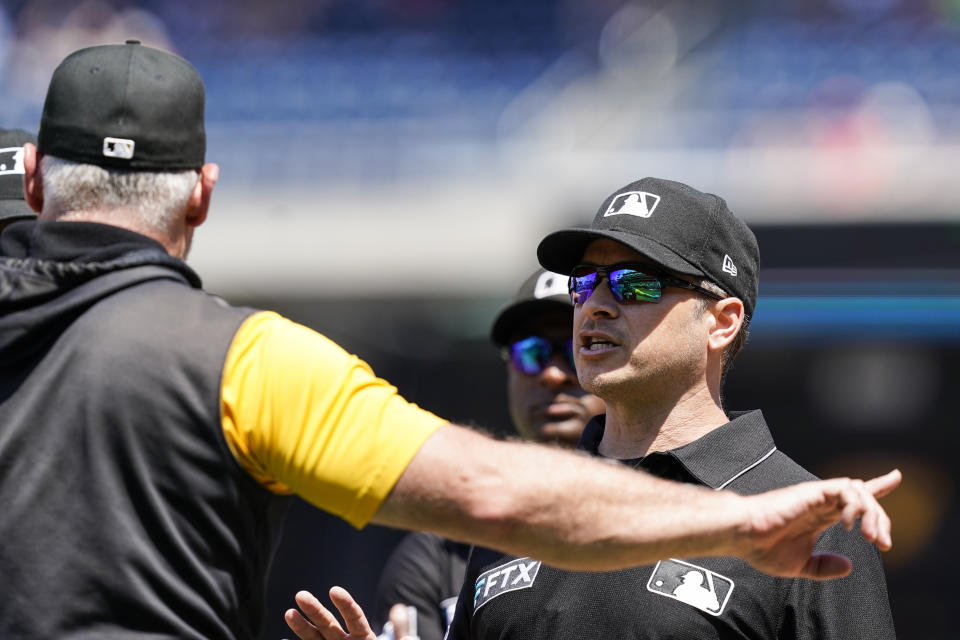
{"x":124,"y":513}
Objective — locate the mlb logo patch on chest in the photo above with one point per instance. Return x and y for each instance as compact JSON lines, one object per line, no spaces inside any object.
{"x":692,"y":585}
{"x":512,"y":576}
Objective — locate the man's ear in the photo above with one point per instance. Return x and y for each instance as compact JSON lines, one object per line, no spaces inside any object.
{"x":199,"y":203}
{"x":727,"y":318}
{"x":32,"y":182}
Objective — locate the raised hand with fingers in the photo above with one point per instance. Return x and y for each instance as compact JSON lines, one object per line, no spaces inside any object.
{"x":783,"y":526}
{"x":318,"y":623}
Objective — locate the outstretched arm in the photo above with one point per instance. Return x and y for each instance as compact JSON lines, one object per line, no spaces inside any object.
{"x":575,"y":512}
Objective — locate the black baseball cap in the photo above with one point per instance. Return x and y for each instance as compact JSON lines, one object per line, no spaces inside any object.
{"x":683,"y":230}
{"x":12,"y":202}
{"x":542,"y":292}
{"x":125,"y":106}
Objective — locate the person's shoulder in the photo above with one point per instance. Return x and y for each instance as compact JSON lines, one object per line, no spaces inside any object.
{"x":174,"y":294}
{"x":789,"y":470}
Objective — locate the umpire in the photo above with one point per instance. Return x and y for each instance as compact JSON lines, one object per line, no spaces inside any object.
{"x":151,"y":435}
{"x":664,"y":282}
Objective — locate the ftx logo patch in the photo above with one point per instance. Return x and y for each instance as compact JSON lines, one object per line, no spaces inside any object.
{"x":513,"y":576}
{"x":633,"y":203}
{"x":692,"y":585}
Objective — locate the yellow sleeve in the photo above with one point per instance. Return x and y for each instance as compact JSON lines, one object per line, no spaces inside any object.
{"x":303,"y":416}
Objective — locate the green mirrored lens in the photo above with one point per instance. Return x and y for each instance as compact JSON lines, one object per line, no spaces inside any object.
{"x":630,"y":285}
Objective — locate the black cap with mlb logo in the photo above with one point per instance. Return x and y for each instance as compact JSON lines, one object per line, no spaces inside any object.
{"x":125,"y":106}
{"x":542,"y":292}
{"x":12,"y":202}
{"x":675,"y":226}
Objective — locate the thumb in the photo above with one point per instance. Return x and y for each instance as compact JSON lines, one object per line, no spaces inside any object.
{"x":824,"y":566}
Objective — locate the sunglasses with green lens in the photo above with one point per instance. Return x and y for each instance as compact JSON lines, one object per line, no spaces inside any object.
{"x":630,"y":283}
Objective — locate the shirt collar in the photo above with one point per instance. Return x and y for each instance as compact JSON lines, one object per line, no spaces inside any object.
{"x":715,"y":459}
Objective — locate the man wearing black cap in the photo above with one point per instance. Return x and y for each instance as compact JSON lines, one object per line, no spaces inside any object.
{"x":664,"y":283}
{"x":12,"y":205}
{"x":151,"y":435}
{"x":533,"y":332}
{"x":546,"y":404}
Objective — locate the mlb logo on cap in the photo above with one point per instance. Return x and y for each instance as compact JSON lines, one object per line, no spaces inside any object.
{"x":118,"y":148}
{"x":13,"y":206}
{"x":11,"y":161}
{"x":633,"y":203}
{"x":550,"y":284}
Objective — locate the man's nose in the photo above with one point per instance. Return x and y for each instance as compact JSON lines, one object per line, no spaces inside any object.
{"x":601,"y":302}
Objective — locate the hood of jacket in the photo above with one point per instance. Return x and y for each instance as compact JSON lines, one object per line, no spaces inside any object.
{"x":51,"y":272}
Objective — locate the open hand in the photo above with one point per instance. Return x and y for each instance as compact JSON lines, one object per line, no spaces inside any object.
{"x":321,"y":624}
{"x":782,"y":526}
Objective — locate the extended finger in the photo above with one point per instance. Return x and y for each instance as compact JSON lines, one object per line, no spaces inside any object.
{"x":300,"y":626}
{"x":352,"y":613}
{"x":883,"y":485}
{"x":884,"y":535}
{"x":874,"y":523}
{"x":856,"y":504}
{"x":872,"y":527}
{"x":867,"y":511}
{"x":325,"y":622}
{"x":880,"y":487}
{"x":880,"y":528}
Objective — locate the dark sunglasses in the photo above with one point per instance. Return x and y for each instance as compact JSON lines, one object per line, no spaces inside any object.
{"x":532,"y":355}
{"x":630,"y":283}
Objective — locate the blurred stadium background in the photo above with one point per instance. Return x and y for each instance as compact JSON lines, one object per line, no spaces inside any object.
{"x":387,"y":167}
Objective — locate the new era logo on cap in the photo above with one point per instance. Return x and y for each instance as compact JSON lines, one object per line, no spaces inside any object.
{"x":728,"y":266}
{"x":633,"y":203}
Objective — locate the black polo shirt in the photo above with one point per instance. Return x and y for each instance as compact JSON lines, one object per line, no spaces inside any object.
{"x":696,"y":598}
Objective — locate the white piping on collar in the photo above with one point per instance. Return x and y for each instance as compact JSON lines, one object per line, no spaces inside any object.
{"x":762,"y":458}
